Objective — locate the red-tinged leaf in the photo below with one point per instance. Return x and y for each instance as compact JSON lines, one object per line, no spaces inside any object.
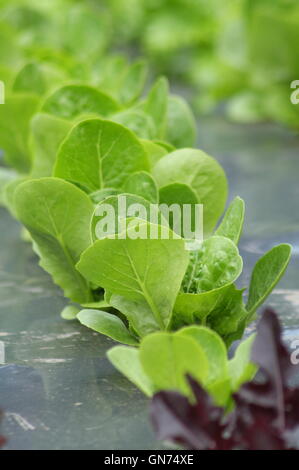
{"x":256,"y":430}
{"x":268,"y":350}
{"x":267,"y":411}
{"x":266,"y":414}
{"x":272,"y":356}
{"x":292,"y":408}
{"x":197,"y":426}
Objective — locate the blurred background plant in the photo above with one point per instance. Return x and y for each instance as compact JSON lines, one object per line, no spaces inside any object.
{"x":238,"y":56}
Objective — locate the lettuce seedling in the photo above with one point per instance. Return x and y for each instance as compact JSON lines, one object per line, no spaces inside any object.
{"x":72,"y":101}
{"x":265,"y":414}
{"x":30,"y":79}
{"x":163,"y":360}
{"x":110,"y":159}
{"x":202,"y":174}
{"x":131,"y":82}
{"x":202,"y":283}
{"x":181,"y":125}
{"x":57,"y":215}
{"x":42,"y":118}
{"x":47,"y":134}
{"x":136,"y":272}
{"x":15,"y":117}
{"x":154,"y":117}
{"x":99,"y":154}
{"x":99,"y":157}
{"x":137,"y":121}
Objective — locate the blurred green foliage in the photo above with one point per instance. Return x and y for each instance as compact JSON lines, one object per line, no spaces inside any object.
{"x":243,"y":53}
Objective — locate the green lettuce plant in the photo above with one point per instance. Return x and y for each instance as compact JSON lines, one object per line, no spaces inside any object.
{"x":98,"y":161}
{"x":163,"y":359}
{"x":34,"y":121}
{"x":57,"y":214}
{"x":201,"y":284}
{"x":98,"y":158}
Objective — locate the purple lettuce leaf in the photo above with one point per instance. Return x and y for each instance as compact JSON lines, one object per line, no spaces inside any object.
{"x":195,"y":426}
{"x":267,"y":409}
{"x":266,"y":413}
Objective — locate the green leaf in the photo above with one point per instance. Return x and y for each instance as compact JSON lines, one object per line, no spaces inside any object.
{"x":15,"y":117}
{"x":202,"y":173}
{"x":166,"y":358}
{"x":232,"y":222}
{"x":156,"y":105}
{"x":181,"y":124}
{"x":153,"y":151}
{"x":267,"y":272}
{"x":228,"y":317}
{"x":108,"y":71}
{"x":132,"y":82}
{"x":214,"y":349}
{"x":30,"y":79}
{"x":241,"y":370}
{"x":85,"y":31}
{"x":215,"y":264}
{"x":107,"y":324}
{"x":126,"y":360}
{"x":137,"y":121}
{"x":166,"y":145}
{"x":97,"y":304}
{"x":101,"y":194}
{"x":9,"y":193}
{"x":194,"y":308}
{"x":142,"y":184}
{"x":220,"y":392}
{"x":138,"y":270}
{"x":222,"y":310}
{"x":57,"y":214}
{"x":69,"y":312}
{"x":47,"y":133}
{"x":71,"y":101}
{"x":98,"y":154}
{"x":179,"y":194}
